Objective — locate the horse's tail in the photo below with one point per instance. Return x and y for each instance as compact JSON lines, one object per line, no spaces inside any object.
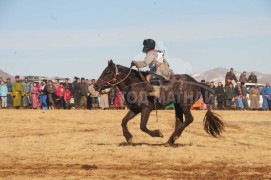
{"x":213,"y":124}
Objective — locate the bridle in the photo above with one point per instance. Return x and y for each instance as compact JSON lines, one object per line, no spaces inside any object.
{"x":113,"y":81}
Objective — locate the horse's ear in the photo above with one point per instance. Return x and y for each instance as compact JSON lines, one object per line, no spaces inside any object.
{"x":110,"y":62}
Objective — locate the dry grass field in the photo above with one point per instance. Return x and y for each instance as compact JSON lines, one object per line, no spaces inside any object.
{"x":80,"y":144}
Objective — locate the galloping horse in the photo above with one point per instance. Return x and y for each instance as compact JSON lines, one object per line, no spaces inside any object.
{"x":182,"y":90}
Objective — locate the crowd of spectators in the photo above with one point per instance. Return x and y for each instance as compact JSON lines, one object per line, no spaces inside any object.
{"x":79,"y":94}
{"x":236,"y":96}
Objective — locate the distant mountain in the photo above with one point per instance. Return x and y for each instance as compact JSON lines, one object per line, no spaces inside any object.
{"x":5,"y":75}
{"x":218,"y":74}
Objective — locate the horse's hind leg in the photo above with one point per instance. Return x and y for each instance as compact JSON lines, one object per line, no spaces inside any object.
{"x":178,"y":115}
{"x":145,"y":114}
{"x":178,"y":131}
{"x":130,"y":115}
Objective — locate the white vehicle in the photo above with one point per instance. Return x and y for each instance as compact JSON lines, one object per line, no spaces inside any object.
{"x":250,"y":85}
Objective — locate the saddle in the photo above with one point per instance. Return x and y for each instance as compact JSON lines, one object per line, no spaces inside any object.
{"x":155,"y":79}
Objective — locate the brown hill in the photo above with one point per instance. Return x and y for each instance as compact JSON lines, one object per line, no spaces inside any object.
{"x":5,"y":75}
{"x":218,"y":74}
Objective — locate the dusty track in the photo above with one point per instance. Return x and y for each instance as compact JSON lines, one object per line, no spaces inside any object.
{"x":90,"y":145}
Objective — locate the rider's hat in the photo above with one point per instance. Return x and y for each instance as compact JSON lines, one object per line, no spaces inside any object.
{"x":149,"y":44}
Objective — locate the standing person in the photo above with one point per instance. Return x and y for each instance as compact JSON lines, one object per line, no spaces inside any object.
{"x":104,"y":104}
{"x":3,"y":94}
{"x":211,"y":96}
{"x":56,"y":83}
{"x":239,"y":99}
{"x":51,"y":93}
{"x":112,"y":96}
{"x":267,"y":97}
{"x":35,"y":95}
{"x":238,"y":85}
{"x":67,"y":97}
{"x":230,"y":76}
{"x":26,"y":101}
{"x":17,"y":92}
{"x":243,"y":77}
{"x":220,"y":94}
{"x":254,"y":96}
{"x":67,"y":84}
{"x":252,"y":78}
{"x":93,"y":95}
{"x":88,"y":94}
{"x":244,"y":92}
{"x":60,"y":92}
{"x":10,"y":96}
{"x":84,"y":93}
{"x":229,"y":95}
{"x":76,"y":92}
{"x":43,"y":95}
{"x":118,"y":103}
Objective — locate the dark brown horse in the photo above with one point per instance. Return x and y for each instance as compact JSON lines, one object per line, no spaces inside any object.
{"x":181,"y":90}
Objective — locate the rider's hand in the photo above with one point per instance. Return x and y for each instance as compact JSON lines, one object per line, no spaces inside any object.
{"x":133,"y":64}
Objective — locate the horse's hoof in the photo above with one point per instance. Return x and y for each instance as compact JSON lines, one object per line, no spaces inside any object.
{"x":157,"y":133}
{"x":175,"y":138}
{"x":167,"y":145}
{"x":161,"y":135}
{"x":130,"y":141}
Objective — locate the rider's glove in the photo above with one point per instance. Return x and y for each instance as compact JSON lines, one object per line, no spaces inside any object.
{"x":133,"y":64}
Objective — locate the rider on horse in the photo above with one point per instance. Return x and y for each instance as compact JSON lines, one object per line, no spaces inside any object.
{"x":159,"y":67}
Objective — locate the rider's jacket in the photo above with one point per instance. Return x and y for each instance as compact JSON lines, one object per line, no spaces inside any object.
{"x":155,"y":60}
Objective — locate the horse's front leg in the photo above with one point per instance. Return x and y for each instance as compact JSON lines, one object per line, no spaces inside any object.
{"x":130,"y":115}
{"x":145,"y":114}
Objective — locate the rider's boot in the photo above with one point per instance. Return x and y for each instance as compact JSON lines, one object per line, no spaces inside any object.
{"x":155,"y":92}
{"x":148,"y":86}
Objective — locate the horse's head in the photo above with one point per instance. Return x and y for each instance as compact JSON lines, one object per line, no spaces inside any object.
{"x":107,"y":78}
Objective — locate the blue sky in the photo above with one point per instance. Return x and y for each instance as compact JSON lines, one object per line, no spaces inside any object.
{"x":67,"y":38}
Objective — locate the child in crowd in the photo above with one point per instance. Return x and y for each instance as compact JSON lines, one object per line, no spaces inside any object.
{"x":239,"y":99}
{"x":67,"y":98}
{"x":60,"y":93}
{"x":3,"y":94}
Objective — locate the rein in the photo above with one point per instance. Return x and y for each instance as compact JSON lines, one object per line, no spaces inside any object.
{"x":130,"y":70}
{"x":111,"y":82}
{"x":141,"y":76}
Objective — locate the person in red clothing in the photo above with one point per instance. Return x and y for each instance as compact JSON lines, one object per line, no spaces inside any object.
{"x":67,"y":98}
{"x":60,"y":94}
{"x":118,"y":99}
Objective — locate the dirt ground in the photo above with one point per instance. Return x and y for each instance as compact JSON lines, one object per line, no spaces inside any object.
{"x":81,"y":144}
